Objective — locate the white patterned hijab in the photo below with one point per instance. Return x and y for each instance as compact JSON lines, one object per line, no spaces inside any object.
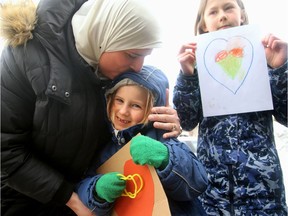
{"x":114,"y":25}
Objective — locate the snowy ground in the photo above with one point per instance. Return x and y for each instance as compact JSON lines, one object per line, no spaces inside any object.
{"x":281,"y":139}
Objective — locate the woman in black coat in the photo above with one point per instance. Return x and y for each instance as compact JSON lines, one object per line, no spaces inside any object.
{"x":59,"y":58}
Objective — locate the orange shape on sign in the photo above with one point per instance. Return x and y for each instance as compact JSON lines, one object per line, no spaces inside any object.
{"x":143,"y":203}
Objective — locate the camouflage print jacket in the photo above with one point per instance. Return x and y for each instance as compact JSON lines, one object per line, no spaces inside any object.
{"x":238,"y":151}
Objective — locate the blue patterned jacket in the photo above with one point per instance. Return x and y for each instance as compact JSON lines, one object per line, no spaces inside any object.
{"x":238,"y":151}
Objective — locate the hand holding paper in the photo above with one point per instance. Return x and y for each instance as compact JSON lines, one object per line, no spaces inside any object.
{"x":145,"y":150}
{"x":110,"y":186}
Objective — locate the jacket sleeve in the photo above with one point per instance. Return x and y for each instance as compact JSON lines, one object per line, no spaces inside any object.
{"x":278,"y":81}
{"x":85,"y":190}
{"x":184,"y":178}
{"x":187,"y":100}
{"x":21,"y":168}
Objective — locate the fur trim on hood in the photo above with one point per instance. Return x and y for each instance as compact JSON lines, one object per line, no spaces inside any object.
{"x":17,"y":21}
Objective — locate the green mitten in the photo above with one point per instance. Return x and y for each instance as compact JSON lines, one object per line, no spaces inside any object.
{"x":110,"y":186}
{"x":145,"y":150}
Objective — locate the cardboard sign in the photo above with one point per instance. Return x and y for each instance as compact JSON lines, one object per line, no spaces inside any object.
{"x":151,"y":199}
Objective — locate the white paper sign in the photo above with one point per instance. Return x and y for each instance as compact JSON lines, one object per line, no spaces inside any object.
{"x":233,"y":72}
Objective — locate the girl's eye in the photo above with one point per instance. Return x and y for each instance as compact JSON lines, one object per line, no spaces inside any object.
{"x":212,"y":12}
{"x":229,"y":8}
{"x":118,"y":100}
{"x":136,"y":106}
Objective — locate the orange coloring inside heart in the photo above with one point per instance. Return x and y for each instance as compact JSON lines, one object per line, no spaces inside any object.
{"x":221,"y":55}
{"x":230,"y":62}
{"x":237,"y":52}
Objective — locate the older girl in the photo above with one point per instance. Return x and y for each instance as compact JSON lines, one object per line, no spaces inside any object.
{"x":238,"y":151}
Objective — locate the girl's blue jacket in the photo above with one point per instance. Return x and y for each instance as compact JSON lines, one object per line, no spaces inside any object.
{"x":184,"y":178}
{"x":238,"y":151}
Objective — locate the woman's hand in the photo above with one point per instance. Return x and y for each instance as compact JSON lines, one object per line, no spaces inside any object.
{"x":166,"y":118}
{"x":78,"y":207}
{"x":187,"y":58}
{"x":275,"y":51}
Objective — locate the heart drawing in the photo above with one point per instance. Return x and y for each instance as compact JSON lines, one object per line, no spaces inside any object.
{"x":228,"y":61}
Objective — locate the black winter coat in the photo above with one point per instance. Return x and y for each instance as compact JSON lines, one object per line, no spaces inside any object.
{"x":52,"y":116}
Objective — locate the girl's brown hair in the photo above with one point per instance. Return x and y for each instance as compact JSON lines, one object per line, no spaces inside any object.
{"x":200,"y":16}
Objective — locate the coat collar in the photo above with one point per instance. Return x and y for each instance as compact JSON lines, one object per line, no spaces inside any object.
{"x":54,"y":31}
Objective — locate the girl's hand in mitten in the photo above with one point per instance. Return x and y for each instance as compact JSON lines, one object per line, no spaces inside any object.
{"x":145,"y":150}
{"x":110,"y":186}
